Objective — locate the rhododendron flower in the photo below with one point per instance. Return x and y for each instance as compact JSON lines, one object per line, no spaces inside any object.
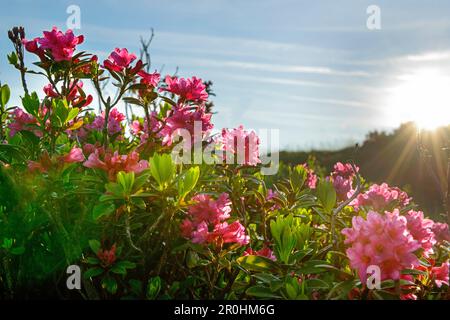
{"x":421,"y":230}
{"x":150,"y":79}
{"x":381,"y":196}
{"x":381,"y":240}
{"x":60,"y":45}
{"x":119,"y":59}
{"x":113,"y":163}
{"x":207,"y":209}
{"x":191,"y":89}
{"x":142,"y":130}
{"x":311,"y":178}
{"x":114,"y":122}
{"x":264,"y":252}
{"x":22,"y":121}
{"x":344,"y":170}
{"x":342,"y":178}
{"x":76,"y":95}
{"x":441,"y":232}
{"x":183,"y":118}
{"x":75,"y":155}
{"x":107,"y":257}
{"x":205,"y":222}
{"x":230,"y":233}
{"x":440,"y":275}
{"x":241,"y":143}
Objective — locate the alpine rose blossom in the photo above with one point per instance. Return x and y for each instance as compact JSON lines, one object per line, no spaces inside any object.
{"x":60,"y":45}
{"x":380,"y":197}
{"x":440,"y":275}
{"x":342,"y":178}
{"x":191,"y":89}
{"x":205,"y":222}
{"x":441,"y":232}
{"x":119,"y":59}
{"x":75,"y":155}
{"x":114,"y":122}
{"x":113,"y":163}
{"x":241,"y":144}
{"x":20,"y":121}
{"x":183,"y":118}
{"x":381,"y":240}
{"x":421,"y":230}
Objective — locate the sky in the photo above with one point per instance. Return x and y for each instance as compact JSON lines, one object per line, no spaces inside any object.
{"x":311,"y":69}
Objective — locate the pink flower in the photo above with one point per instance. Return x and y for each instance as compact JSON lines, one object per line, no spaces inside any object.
{"x":241,"y":143}
{"x":119,"y":59}
{"x":421,"y":230}
{"x":264,"y":252}
{"x":381,"y":240}
{"x":230,"y":233}
{"x":207,"y":209}
{"x":382,"y":196}
{"x":22,"y":121}
{"x":142,"y":130}
{"x":76,"y":95}
{"x":114,"y":122}
{"x":150,"y":79}
{"x":183,"y":118}
{"x":60,"y":45}
{"x":191,"y":89}
{"x":113,"y":163}
{"x":206,"y":223}
{"x":343,"y":187}
{"x":343,"y":170}
{"x":441,"y":232}
{"x":75,"y":155}
{"x":342,"y":177}
{"x":441,"y":274}
{"x":311,"y":178}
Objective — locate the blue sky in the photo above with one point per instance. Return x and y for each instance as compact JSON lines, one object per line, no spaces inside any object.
{"x":311,"y":69}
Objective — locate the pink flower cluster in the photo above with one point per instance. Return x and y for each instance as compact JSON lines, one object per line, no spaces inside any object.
{"x":114,"y":122}
{"x":421,"y":230}
{"x":150,"y":80}
{"x":342,"y":176}
{"x":60,"y":45}
{"x":241,"y":143}
{"x":383,"y":241}
{"x":191,"y":89}
{"x":120,"y":59}
{"x":22,"y":121}
{"x":382,"y":196}
{"x":186,"y":118}
{"x":311,"y":177}
{"x":206,"y":222}
{"x":440,"y":275}
{"x":113,"y":163}
{"x":441,"y":232}
{"x":264,"y":252}
{"x":75,"y":97}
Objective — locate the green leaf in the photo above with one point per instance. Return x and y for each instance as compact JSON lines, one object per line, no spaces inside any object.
{"x":73,"y":113}
{"x":95,"y":245}
{"x":110,"y":284}
{"x":153,"y":288}
{"x":188,"y":181}
{"x":93,"y":272}
{"x":257,"y":263}
{"x":17,"y":251}
{"x":31,"y":103}
{"x":12,"y":58}
{"x":162,"y":169}
{"x":103,"y":209}
{"x":4,"y":95}
{"x":327,"y":195}
{"x":298,"y":177}
{"x":261,"y":292}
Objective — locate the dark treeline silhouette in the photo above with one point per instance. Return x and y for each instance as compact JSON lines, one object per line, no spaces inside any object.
{"x":413,"y":160}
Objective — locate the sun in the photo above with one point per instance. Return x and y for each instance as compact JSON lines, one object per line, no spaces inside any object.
{"x":423,"y":97}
